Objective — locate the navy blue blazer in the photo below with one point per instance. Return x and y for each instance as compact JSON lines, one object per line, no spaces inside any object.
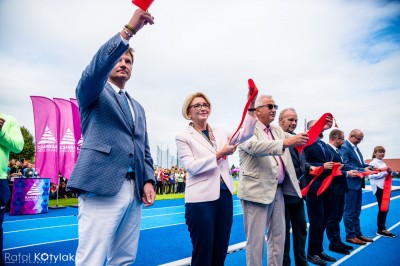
{"x":110,"y":144}
{"x":339,"y":183}
{"x":352,"y":162}
{"x":316,"y":157}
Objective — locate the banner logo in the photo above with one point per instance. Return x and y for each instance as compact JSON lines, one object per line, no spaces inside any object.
{"x":67,"y":143}
{"x":47,"y":142}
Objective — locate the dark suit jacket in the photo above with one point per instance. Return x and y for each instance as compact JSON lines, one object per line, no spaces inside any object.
{"x":339,"y":183}
{"x":316,"y":157}
{"x":352,"y":162}
{"x":110,"y":144}
{"x":299,"y":163}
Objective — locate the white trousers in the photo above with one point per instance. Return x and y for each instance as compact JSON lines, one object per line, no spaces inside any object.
{"x":258,"y":218}
{"x":108,"y":227}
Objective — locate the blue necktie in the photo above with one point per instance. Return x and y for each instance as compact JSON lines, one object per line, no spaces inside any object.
{"x":360,"y":155}
{"x":126,"y":108}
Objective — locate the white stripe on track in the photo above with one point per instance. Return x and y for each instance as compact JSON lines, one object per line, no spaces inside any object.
{"x":361,"y":247}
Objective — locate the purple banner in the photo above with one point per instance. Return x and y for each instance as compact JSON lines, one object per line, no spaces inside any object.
{"x":30,"y":196}
{"x":66,"y":140}
{"x":46,"y":136}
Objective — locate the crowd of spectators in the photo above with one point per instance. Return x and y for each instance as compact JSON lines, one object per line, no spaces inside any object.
{"x":170,"y":180}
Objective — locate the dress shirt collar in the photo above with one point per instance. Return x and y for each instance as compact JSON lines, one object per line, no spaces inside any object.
{"x":115,"y":87}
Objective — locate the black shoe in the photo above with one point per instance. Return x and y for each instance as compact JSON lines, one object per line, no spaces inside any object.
{"x":326,"y":257}
{"x":348,"y":247}
{"x":386,"y":233}
{"x":339,"y":249}
{"x":315,"y":259}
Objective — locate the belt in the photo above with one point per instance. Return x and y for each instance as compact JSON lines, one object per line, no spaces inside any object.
{"x":130,"y":176}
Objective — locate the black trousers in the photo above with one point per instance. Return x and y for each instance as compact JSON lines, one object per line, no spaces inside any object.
{"x":209,"y":224}
{"x":317,"y":216}
{"x":335,"y":214}
{"x":4,"y":197}
{"x":294,"y":214}
{"x":381,"y":219}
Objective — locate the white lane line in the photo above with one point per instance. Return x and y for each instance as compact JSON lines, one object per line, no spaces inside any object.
{"x":362,"y":247}
{"x":39,"y":244}
{"x":34,"y":219}
{"x":41,"y":228}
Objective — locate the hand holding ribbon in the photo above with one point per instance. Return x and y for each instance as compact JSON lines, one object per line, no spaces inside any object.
{"x":325,"y":122}
{"x":251,"y":96}
{"x":328,"y":180}
{"x":315,"y":172}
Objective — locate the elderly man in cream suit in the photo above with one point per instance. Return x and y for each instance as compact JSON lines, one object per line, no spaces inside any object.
{"x":266,"y":173}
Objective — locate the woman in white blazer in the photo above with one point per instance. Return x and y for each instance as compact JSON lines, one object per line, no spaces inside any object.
{"x":377,"y":184}
{"x":209,"y":186}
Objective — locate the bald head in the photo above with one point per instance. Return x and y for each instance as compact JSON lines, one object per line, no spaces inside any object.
{"x":356,"y":136}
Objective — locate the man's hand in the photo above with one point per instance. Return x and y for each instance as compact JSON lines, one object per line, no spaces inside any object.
{"x":139,"y":19}
{"x":351,"y":173}
{"x":328,"y":165}
{"x":148,"y":194}
{"x":2,"y":121}
{"x":297,"y":140}
{"x":329,"y":122}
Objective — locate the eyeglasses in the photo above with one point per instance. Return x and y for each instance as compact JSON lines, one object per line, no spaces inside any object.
{"x":270,"y":106}
{"x":200,"y":106}
{"x":359,"y":139}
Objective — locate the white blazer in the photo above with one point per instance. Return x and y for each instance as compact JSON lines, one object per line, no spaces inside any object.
{"x":203,"y":170}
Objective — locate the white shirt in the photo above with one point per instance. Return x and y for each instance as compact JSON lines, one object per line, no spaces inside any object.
{"x":377,"y":180}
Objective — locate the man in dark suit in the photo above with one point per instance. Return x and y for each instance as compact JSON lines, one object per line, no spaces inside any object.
{"x":317,"y":155}
{"x":353,"y":159}
{"x":337,"y":189}
{"x":114,"y":172}
{"x":294,"y":206}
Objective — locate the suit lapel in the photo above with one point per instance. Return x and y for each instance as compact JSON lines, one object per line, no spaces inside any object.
{"x":200,"y":138}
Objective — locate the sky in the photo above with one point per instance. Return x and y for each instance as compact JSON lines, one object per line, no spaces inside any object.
{"x":335,"y":56}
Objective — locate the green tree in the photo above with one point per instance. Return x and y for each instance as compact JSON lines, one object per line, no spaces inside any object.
{"x":28,"y":152}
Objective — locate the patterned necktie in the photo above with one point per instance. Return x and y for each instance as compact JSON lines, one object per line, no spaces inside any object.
{"x":126,"y":108}
{"x":281,"y":166}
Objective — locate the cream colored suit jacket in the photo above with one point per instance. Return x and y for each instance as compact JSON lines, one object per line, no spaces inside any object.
{"x":204,"y":171}
{"x":258,"y":179}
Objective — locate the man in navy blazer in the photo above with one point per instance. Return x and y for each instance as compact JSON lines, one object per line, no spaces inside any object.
{"x":353,"y":159}
{"x":338,"y":189}
{"x":317,"y":155}
{"x":114,"y":172}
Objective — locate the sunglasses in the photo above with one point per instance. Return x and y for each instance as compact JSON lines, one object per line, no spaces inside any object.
{"x":270,"y":106}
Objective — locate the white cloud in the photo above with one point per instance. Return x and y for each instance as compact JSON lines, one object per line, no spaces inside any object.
{"x":315,"y":56}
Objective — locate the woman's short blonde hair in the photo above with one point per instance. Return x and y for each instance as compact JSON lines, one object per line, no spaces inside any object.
{"x":188,"y":101}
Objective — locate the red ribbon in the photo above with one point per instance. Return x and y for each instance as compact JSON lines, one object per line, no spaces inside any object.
{"x":253,"y":93}
{"x":316,"y":172}
{"x":143,"y":4}
{"x":387,"y":187}
{"x":328,"y":180}
{"x":315,"y":130}
{"x":367,"y":173}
